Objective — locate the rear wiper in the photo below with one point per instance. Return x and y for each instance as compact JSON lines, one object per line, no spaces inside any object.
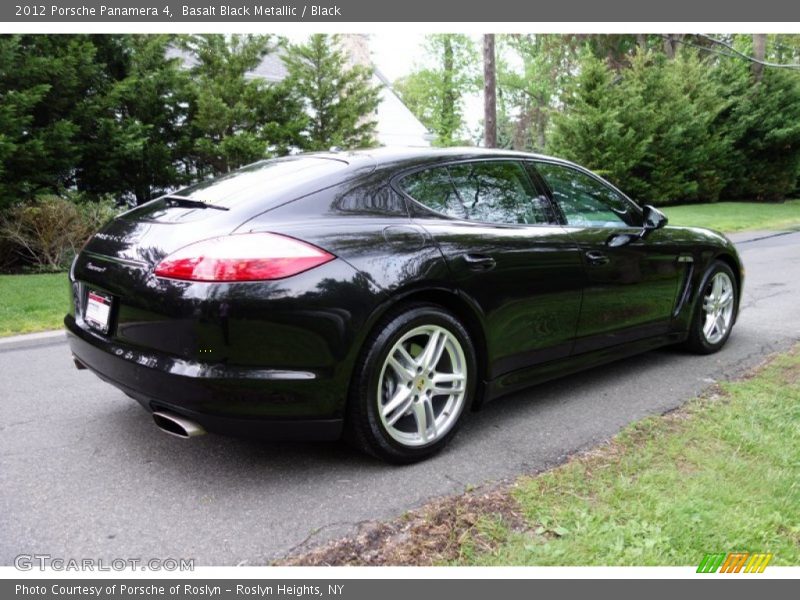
{"x":191,"y":202}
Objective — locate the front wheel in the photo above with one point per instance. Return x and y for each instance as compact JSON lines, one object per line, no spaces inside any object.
{"x":715,"y":311}
{"x":415,"y":378}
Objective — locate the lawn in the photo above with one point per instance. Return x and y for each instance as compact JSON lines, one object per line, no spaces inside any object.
{"x":32,"y":302}
{"x":718,"y":475}
{"x":730,"y":217}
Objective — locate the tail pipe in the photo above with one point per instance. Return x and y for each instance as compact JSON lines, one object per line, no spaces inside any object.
{"x":176,"y":425}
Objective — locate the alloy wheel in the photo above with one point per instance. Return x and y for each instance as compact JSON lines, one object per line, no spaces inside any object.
{"x":718,"y":303}
{"x":422,"y":386}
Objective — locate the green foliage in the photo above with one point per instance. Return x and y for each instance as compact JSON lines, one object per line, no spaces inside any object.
{"x":591,"y":129}
{"x":527,"y":92}
{"x":48,"y":231}
{"x":114,"y":114}
{"x":237,"y":119}
{"x":682,"y":130}
{"x":48,"y":85}
{"x":435,"y":93}
{"x":341,"y":98}
{"x":138,"y":139}
{"x":764,"y":126}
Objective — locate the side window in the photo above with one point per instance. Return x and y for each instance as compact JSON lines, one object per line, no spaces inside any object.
{"x":498,"y":192}
{"x":585,"y":201}
{"x":487,"y":192}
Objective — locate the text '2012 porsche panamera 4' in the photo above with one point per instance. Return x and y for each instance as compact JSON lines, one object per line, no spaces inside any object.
{"x":379,"y":295}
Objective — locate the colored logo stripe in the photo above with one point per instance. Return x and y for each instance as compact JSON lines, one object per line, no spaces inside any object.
{"x":757,"y":563}
{"x":734,"y":562}
{"x":711,"y":563}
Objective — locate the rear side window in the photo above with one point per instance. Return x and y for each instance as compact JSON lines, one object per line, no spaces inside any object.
{"x":434,"y":189}
{"x":584,"y":200}
{"x":487,"y":192}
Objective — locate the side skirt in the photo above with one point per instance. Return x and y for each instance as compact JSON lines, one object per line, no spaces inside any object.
{"x":524,"y":378}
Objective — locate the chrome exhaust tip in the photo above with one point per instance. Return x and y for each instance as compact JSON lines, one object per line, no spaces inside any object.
{"x":177,"y":425}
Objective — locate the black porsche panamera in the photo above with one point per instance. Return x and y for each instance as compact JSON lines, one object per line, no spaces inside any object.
{"x":381,"y":294}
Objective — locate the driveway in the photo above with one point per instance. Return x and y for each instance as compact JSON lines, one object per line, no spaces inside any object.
{"x":85,"y":473}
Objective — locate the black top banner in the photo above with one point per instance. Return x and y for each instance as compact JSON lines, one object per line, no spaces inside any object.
{"x":443,"y":11}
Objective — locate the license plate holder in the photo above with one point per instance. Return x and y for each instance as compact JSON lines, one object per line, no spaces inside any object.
{"x":98,"y":310}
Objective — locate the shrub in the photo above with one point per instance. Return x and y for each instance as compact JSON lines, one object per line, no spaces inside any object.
{"x":48,"y":232}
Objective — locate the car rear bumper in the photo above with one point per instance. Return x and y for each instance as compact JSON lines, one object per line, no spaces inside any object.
{"x":253,"y":402}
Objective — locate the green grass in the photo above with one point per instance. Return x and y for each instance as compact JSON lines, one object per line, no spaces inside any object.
{"x":32,"y":302}
{"x":720,"y":475}
{"x":730,"y":217}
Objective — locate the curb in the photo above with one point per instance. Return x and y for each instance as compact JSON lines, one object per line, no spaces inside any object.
{"x":31,"y":340}
{"x":745,"y":237}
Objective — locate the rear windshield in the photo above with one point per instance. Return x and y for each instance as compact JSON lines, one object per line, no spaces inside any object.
{"x":261,"y":179}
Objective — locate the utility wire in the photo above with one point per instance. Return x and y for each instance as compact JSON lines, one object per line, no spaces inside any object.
{"x":736,"y":54}
{"x":708,"y":49}
{"x":746,"y":56}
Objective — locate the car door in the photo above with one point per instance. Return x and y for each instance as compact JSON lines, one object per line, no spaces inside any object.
{"x":506,"y":253}
{"x":631,"y":289}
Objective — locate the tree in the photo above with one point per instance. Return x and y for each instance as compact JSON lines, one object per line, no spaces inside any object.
{"x":48,"y":86}
{"x":435,"y":92}
{"x":654,"y":129}
{"x":140,"y":138}
{"x":237,"y":119}
{"x":764,"y":125}
{"x":341,"y":98}
{"x":675,"y":104}
{"x":528,"y":91}
{"x":590,"y":129}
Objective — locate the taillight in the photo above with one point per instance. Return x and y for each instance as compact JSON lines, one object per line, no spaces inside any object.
{"x":242,"y":257}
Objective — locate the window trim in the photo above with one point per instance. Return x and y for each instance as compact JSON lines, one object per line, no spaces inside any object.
{"x":570,"y":166}
{"x":418,"y":209}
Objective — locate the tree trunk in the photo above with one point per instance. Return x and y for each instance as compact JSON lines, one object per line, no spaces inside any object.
{"x":669,"y":49}
{"x":541,"y":126}
{"x":448,"y":96}
{"x":759,"y":53}
{"x":489,"y":92}
{"x":671,"y":42}
{"x":641,"y":41}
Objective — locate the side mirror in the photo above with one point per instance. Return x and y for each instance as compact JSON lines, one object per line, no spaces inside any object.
{"x":652,"y":219}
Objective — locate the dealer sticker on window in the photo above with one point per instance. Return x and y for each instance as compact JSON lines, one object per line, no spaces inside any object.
{"x":98,"y":309}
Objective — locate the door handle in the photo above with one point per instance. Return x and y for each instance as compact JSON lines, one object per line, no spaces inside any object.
{"x":596,"y":259}
{"x":479,"y":262}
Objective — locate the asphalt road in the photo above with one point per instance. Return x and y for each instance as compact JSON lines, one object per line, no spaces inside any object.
{"x":84,"y":472}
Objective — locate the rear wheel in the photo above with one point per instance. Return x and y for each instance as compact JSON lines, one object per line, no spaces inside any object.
{"x":715,"y":311}
{"x":416,"y":375}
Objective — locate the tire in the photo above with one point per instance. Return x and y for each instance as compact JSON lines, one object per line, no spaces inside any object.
{"x":704,"y":338}
{"x":392,"y":391}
